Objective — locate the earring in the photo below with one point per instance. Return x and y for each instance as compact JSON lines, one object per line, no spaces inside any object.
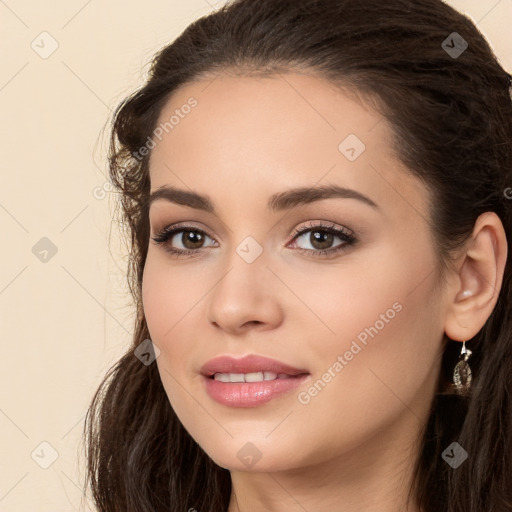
{"x":462,"y":372}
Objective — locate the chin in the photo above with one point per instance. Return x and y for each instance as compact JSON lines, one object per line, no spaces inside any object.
{"x":250,"y":456}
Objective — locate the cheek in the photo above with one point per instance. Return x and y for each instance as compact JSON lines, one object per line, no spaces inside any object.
{"x":168,"y":295}
{"x":173,"y":301}
{"x":168,"y":301}
{"x":392,"y":373}
{"x":385,"y":337}
{"x":165,"y":302}
{"x":382,"y":360}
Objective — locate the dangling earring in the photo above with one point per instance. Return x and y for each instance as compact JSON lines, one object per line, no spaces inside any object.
{"x":462,"y":372}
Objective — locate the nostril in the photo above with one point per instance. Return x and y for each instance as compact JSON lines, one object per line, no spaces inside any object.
{"x":252,"y":322}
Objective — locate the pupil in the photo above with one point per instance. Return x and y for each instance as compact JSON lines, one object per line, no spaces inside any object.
{"x":321,"y":240}
{"x":191,"y":239}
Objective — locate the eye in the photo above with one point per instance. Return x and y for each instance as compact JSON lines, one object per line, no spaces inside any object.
{"x":182,"y":240}
{"x":318,"y":239}
{"x":315,"y":239}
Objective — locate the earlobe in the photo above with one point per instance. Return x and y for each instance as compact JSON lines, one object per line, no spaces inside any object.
{"x":479,"y":278}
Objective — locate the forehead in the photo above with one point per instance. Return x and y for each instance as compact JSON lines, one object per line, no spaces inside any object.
{"x":266,"y":132}
{"x":292,"y":104}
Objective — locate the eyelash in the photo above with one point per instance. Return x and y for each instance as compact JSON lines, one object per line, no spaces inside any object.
{"x":345,"y":235}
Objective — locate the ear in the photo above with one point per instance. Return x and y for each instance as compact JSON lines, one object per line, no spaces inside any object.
{"x":478,"y":279}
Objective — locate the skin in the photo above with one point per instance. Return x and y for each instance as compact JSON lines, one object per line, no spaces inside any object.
{"x":354,"y":444}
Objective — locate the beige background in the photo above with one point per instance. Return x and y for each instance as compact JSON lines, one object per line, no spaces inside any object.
{"x":66,"y":320}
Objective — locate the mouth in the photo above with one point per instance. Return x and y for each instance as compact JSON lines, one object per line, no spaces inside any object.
{"x":251,"y":377}
{"x":249,"y":381}
{"x":251,"y":368}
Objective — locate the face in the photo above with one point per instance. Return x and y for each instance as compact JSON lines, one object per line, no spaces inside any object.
{"x":309,"y":246}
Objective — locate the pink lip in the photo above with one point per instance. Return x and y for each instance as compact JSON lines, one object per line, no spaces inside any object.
{"x":249,"y":394}
{"x":248,"y":364}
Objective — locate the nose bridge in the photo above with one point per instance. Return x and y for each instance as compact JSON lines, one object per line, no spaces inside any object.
{"x":244,"y":279}
{"x":245,"y":292}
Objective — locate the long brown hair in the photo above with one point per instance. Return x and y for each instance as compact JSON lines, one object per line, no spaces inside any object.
{"x":451,"y":112}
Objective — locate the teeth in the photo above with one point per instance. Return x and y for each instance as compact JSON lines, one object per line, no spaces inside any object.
{"x":255,"y":377}
{"x":249,"y":377}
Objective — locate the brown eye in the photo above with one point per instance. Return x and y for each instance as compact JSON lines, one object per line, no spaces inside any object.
{"x":182,"y":241}
{"x":321,"y":239}
{"x":191,"y":239}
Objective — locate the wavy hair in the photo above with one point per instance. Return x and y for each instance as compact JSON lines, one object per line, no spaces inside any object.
{"x":451,"y":119}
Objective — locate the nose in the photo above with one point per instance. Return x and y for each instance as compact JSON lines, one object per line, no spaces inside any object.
{"x":247,"y":297}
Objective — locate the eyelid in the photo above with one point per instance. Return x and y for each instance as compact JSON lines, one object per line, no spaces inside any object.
{"x":345,"y":234}
{"x":172,"y":229}
{"x":179,"y":225}
{"x":323,"y":226}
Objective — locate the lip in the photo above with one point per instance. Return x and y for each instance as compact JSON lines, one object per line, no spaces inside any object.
{"x":249,"y":394}
{"x":248,"y":364}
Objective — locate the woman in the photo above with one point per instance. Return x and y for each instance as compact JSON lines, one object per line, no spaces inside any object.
{"x":316,"y":196}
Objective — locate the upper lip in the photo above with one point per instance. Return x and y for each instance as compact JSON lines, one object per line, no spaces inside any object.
{"x":248,"y":364}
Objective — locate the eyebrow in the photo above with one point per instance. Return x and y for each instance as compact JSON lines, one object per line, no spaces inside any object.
{"x":280,"y":201}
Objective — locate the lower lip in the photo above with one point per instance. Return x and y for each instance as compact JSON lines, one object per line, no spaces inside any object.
{"x":250,"y":394}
